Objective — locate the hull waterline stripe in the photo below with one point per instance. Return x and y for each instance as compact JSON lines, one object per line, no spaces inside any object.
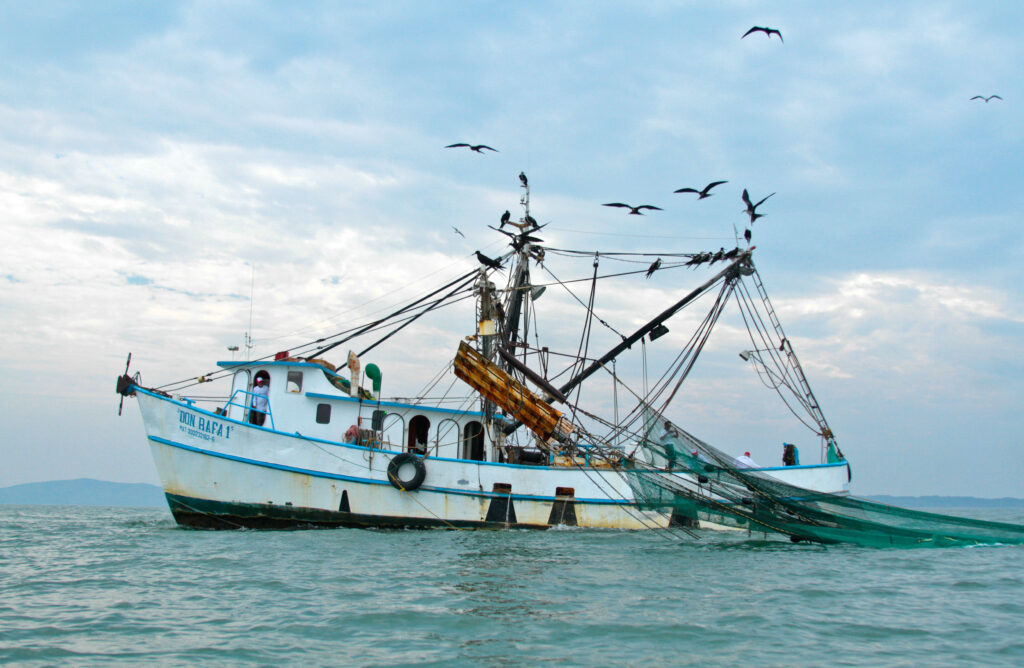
{"x":370,"y":481}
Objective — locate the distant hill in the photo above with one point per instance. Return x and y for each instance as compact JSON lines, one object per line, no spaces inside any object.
{"x":83,"y":492}
{"x":947,"y":501}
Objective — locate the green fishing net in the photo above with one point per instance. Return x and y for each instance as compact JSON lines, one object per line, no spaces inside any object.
{"x":697,"y":482}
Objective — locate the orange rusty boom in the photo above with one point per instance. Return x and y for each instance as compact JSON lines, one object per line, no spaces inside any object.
{"x":512,"y":396}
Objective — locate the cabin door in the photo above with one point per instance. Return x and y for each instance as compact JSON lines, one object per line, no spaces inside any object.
{"x":419,"y":432}
{"x":473,"y":442}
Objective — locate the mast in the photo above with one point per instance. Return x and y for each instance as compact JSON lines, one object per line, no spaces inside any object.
{"x":520,"y":277}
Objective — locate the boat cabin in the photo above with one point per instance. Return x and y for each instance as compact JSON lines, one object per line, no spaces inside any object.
{"x":311,"y":398}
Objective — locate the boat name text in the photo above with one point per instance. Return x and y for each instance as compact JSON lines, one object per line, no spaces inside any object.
{"x":202,"y":427}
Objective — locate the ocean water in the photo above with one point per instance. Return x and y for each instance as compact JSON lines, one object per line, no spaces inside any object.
{"x":125,"y":586}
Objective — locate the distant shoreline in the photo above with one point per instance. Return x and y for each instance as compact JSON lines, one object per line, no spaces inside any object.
{"x":91,"y":492}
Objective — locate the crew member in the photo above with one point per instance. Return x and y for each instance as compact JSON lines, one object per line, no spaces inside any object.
{"x":744,"y":462}
{"x":790,"y":455}
{"x":259,"y":403}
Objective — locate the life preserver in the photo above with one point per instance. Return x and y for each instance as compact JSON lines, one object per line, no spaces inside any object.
{"x":396,"y":465}
{"x":352,"y":435}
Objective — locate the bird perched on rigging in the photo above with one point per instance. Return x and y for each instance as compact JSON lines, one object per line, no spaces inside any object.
{"x":487,"y":262}
{"x":479,"y":148}
{"x":531,"y":222}
{"x":990,"y":97}
{"x":458,"y":232}
{"x":634,"y":210}
{"x":505,"y":217}
{"x":702,"y":193}
{"x":655,"y":266}
{"x":752,"y":208}
{"x":766,"y":31}
{"x":717,"y":256}
{"x":747,"y":234}
{"x":522,"y":179}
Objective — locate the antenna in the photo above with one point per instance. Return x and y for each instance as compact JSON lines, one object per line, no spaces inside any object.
{"x":248,"y":333}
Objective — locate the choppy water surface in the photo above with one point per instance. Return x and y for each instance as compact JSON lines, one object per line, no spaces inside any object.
{"x":102,"y":586}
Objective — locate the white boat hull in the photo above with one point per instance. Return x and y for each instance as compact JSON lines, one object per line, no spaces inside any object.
{"x":223,"y":473}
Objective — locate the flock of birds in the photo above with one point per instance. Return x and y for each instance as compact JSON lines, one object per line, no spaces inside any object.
{"x":518,"y":240}
{"x":703,"y":193}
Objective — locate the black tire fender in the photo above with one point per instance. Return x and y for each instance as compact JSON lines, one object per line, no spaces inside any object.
{"x":396,"y":465}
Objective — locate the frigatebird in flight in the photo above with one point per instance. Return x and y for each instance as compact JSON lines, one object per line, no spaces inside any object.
{"x":458,"y":232}
{"x":479,"y":148}
{"x":702,"y":193}
{"x":766,"y":31}
{"x":752,"y":208}
{"x":634,"y":210}
{"x":990,"y":97}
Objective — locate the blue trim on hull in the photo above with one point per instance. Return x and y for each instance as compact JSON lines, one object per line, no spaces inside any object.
{"x":370,"y":481}
{"x":348,"y":446}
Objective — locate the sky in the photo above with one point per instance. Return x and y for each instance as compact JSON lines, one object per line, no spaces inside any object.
{"x":168,"y":169}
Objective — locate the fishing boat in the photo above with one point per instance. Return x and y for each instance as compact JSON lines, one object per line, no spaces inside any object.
{"x":297,"y":440}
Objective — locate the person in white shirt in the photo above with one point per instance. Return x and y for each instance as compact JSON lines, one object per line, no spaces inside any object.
{"x":259,"y":403}
{"x":744,"y":462}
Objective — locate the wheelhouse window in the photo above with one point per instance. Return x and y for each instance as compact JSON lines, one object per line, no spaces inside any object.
{"x":323,"y":413}
{"x":294,"y":383}
{"x":447,"y":433}
{"x":394,"y":430}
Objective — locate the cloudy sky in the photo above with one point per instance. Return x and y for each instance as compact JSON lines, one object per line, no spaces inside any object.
{"x":160,"y":163}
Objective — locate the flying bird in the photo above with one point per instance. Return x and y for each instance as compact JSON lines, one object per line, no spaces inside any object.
{"x":766,"y":31}
{"x":702,"y":193}
{"x":634,"y":210}
{"x":487,"y":262}
{"x":505,"y":217}
{"x":752,"y":208}
{"x":522,"y":179}
{"x":655,"y":266}
{"x":479,"y":148}
{"x":458,"y":232}
{"x":982,"y":97}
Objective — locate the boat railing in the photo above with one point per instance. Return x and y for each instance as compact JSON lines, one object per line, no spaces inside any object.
{"x":248,"y":405}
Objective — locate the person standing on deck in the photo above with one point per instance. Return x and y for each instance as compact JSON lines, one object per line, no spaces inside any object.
{"x":744,"y":462}
{"x":259,"y":403}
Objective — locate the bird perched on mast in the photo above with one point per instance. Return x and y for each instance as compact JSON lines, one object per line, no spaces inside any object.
{"x":487,"y":262}
{"x":702,"y":193}
{"x":505,"y":217}
{"x":522,"y":179}
{"x":479,"y":148}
